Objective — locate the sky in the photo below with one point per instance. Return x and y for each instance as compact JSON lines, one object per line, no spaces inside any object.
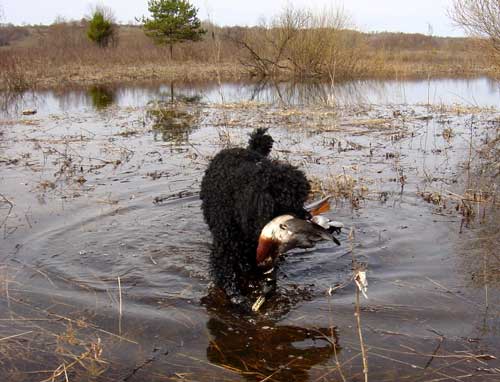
{"x":421,"y":16}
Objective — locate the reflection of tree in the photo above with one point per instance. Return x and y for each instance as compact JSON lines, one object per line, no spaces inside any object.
{"x":258,"y":88}
{"x":258,"y":348}
{"x":101,"y":97}
{"x":315,"y":93}
{"x":493,"y":86}
{"x":10,"y":102}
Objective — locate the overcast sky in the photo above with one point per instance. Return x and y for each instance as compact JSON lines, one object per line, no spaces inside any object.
{"x":368,"y":15}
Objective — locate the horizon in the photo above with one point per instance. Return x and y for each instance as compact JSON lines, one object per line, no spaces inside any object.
{"x":428,"y":17}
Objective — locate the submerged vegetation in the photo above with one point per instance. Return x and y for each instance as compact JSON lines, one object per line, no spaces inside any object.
{"x":173,"y":120}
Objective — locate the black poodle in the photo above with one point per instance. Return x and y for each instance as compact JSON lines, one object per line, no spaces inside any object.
{"x":241,"y":191}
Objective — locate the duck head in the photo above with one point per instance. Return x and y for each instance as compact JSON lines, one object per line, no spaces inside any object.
{"x":284,"y":233}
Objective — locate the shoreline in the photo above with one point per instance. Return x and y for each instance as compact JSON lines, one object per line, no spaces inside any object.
{"x":70,"y":76}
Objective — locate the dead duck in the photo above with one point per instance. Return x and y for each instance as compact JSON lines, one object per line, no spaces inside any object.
{"x":287,"y":232}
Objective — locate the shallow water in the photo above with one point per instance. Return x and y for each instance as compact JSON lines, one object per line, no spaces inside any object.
{"x":482,"y":92}
{"x":105,"y":205}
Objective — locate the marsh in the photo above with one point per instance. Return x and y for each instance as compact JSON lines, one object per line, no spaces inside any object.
{"x":104,"y":252}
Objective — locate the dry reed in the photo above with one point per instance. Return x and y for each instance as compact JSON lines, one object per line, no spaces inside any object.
{"x":298,"y":43}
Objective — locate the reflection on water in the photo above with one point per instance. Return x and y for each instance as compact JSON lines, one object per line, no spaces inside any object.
{"x":12,"y":103}
{"x":101,"y":97}
{"x":482,"y":92}
{"x":257,"y":347}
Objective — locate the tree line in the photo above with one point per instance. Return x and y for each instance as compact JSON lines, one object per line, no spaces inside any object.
{"x":171,"y":22}
{"x":176,"y":21}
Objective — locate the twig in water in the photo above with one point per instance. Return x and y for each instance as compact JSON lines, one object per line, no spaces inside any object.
{"x":145,"y":363}
{"x":441,"y":339}
{"x":485,"y":281}
{"x":15,"y":335}
{"x":65,"y":372}
{"x":360,"y":279}
{"x":11,"y":206}
{"x":278,"y":370}
{"x":360,"y":334}
{"x":198,"y":151}
{"x":334,"y":344}
{"x":120,"y":306}
{"x":7,"y":295}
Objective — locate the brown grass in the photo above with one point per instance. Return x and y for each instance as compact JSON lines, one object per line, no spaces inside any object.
{"x":60,"y":55}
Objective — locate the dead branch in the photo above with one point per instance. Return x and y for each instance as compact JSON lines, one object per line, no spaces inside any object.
{"x":11,"y":206}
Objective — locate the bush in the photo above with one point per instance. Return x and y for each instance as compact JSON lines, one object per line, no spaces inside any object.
{"x":302,"y":44}
{"x":101,"y":29}
{"x":10,"y":33}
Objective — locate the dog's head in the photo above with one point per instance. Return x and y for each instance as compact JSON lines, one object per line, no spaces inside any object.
{"x":260,"y":142}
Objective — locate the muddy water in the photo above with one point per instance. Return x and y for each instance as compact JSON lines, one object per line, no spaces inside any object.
{"x":105,"y":219}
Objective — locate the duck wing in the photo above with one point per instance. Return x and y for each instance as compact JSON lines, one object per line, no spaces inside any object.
{"x":299,"y":233}
{"x":319,"y":206}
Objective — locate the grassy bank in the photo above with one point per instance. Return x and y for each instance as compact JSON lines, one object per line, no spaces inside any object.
{"x":78,"y":75}
{"x":60,"y":55}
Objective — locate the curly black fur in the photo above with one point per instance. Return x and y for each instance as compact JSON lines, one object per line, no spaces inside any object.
{"x":241,"y":191}
{"x":260,"y":142}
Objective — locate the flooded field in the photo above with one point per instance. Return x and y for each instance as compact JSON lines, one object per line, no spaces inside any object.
{"x":481,"y":91}
{"x":104,"y":252}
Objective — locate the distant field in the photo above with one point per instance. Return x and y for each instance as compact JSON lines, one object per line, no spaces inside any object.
{"x":60,"y":55}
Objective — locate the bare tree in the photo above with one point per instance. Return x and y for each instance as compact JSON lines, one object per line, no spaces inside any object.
{"x":300,"y":43}
{"x":479,"y":18}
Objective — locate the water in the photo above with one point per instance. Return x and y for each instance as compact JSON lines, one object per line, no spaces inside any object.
{"x":482,"y":92}
{"x":104,"y":204}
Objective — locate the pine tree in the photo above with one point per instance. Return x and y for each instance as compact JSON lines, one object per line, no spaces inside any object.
{"x":171,"y":22}
{"x":101,"y":29}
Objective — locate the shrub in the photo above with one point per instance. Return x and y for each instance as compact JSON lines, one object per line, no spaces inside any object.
{"x":101,"y":29}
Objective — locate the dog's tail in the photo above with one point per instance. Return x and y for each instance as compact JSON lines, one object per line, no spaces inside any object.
{"x":260,"y":141}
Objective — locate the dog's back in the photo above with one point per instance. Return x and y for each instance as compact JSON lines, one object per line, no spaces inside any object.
{"x":241,"y":191}
{"x":229,"y":174}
